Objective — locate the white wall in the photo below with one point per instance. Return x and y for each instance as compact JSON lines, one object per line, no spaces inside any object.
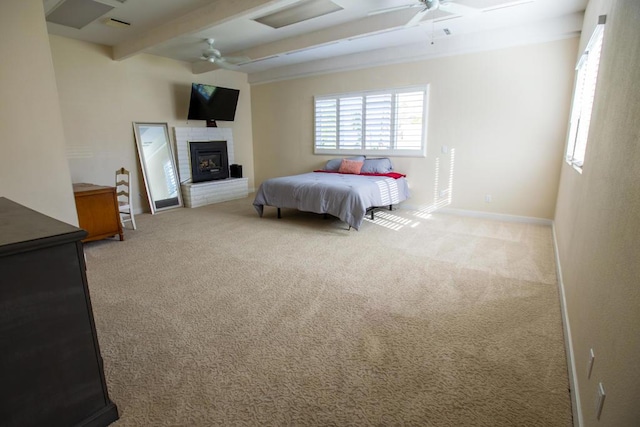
{"x":100,"y":98}
{"x":598,"y":223}
{"x":504,"y":112}
{"x":33,"y":167}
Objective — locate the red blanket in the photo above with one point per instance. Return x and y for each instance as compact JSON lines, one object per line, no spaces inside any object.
{"x":394,"y":175}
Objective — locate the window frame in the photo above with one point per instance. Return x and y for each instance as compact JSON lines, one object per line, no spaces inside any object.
{"x":396,"y":152}
{"x":578,"y":134}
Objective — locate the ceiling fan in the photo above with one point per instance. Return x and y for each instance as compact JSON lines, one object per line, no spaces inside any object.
{"x":426,"y":6}
{"x":213,"y":55}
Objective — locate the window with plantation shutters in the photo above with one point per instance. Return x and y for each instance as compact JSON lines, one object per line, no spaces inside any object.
{"x":350,"y":122}
{"x":583,"y":98}
{"x":388,"y":122}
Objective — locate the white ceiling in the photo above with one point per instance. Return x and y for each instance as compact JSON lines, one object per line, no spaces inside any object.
{"x":346,"y":39}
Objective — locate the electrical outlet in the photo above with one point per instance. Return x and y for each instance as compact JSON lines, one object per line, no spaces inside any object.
{"x":592,"y":358}
{"x":600,"y":395}
{"x":487,"y":198}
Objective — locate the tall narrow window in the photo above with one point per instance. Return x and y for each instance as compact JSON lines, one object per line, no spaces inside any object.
{"x":583,"y":97}
{"x":386,"y":122}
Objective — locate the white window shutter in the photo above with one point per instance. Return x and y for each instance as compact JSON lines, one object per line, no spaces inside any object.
{"x":583,"y":98}
{"x":409,"y":120}
{"x":378,"y":122}
{"x":326,"y":115}
{"x":350,"y":123}
{"x":385,"y":122}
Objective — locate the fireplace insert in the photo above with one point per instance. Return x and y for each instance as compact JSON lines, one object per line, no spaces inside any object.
{"x":209,"y":161}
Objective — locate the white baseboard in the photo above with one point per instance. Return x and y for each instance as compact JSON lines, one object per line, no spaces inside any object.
{"x":495,"y":216}
{"x":575,"y":393}
{"x":571,"y":365}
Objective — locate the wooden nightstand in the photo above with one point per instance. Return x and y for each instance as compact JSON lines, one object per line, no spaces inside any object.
{"x":97,"y":208}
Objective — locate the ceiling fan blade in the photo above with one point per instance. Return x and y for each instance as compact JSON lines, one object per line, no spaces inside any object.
{"x":224,"y":64}
{"x":457,"y":9}
{"x":393,"y":9}
{"x":417,"y":17}
{"x":214,"y":56}
{"x":236,"y":59}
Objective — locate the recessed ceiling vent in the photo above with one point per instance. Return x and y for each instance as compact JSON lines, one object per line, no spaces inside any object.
{"x":77,"y":13}
{"x":116,"y":23}
{"x":299,"y":12}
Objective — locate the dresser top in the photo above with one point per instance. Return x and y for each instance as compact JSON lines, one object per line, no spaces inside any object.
{"x":83,"y":186}
{"x":22,"y":228}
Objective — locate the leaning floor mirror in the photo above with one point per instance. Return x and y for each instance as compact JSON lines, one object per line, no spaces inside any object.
{"x":158,"y":166}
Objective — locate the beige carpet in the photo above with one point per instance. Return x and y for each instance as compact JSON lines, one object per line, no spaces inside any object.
{"x":214,"y":316}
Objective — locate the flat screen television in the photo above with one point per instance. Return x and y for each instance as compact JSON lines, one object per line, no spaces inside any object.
{"x":212,"y":103}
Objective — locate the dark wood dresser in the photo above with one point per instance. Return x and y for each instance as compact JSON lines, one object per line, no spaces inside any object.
{"x":51,"y":370}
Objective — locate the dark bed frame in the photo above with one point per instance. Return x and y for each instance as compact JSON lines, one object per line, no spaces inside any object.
{"x":370,"y":210}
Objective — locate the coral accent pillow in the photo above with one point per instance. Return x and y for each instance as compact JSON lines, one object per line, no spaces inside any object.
{"x":350,"y":166}
{"x":334,"y":164}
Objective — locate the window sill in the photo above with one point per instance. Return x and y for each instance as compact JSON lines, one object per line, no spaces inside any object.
{"x":371,"y":153}
{"x":575,"y":166}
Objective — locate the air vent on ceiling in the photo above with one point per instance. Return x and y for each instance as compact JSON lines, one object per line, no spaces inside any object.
{"x":116,"y":23}
{"x":300,"y":12}
{"x":77,"y":13}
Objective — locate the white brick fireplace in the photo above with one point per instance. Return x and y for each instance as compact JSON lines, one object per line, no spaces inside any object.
{"x":205,"y":193}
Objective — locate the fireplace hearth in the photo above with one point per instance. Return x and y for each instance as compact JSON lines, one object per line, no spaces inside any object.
{"x":209,"y":161}
{"x":208,"y":192}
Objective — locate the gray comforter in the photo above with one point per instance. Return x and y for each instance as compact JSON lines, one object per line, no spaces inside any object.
{"x":342,"y":195}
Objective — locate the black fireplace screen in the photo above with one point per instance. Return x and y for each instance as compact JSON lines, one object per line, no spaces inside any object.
{"x":209,"y":161}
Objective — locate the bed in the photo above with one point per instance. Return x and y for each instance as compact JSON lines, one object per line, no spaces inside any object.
{"x":338,"y":192}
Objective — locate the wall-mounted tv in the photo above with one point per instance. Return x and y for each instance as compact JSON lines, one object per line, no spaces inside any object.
{"x":212,"y":103}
